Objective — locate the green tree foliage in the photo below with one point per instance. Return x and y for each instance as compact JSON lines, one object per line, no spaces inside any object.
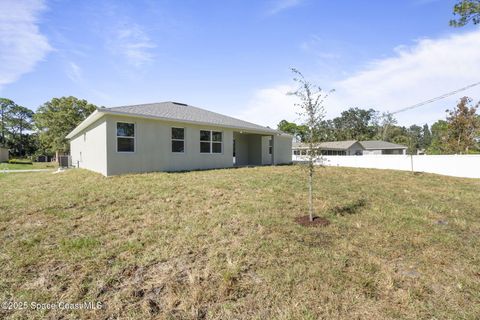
{"x":386,"y":121}
{"x":463,"y":127}
{"x":439,"y":138}
{"x":325,"y":131}
{"x":16,"y":125}
{"x":356,"y":124}
{"x":426,"y":138}
{"x":415,"y":136}
{"x":58,"y":117}
{"x":5,"y":106}
{"x":298,"y":131}
{"x":467,"y":11}
{"x":20,"y":124}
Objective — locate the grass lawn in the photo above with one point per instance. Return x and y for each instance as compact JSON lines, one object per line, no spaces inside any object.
{"x":222,"y":244}
{"x":35,"y":165}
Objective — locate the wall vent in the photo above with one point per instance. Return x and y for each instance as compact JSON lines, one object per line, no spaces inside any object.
{"x":180,"y":104}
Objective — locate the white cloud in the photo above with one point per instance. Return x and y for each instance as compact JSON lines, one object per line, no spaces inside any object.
{"x":427,"y":69}
{"x":280,"y":5}
{"x":269,"y":106}
{"x":414,"y":74}
{"x":74,"y":72}
{"x":22,"y":45}
{"x":131,"y":41}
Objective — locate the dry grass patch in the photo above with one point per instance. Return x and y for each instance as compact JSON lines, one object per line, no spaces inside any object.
{"x":223,"y":244}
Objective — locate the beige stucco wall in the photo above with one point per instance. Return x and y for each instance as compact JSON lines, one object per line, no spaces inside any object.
{"x":3,"y":154}
{"x":95,"y":148}
{"x":153,"y":148}
{"x":282,"y":149}
{"x":88,"y":149}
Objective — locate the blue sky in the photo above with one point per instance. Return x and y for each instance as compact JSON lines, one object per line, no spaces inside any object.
{"x":234,"y":56}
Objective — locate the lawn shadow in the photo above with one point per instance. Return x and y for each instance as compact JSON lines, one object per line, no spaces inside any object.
{"x":351,"y":208}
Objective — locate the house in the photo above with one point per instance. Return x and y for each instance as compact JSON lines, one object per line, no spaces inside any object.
{"x":3,"y":154}
{"x":331,"y":148}
{"x":382,"y":147}
{"x":351,"y":148}
{"x":172,"y":136}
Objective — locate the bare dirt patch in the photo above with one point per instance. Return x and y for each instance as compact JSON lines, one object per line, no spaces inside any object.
{"x":317,"y":221}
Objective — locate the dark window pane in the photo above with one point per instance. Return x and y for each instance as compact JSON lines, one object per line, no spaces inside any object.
{"x":217,"y":147}
{"x":177,"y":146}
{"x":204,"y":135}
{"x":178,"y":133}
{"x":125,"y":129}
{"x":205,"y":147}
{"x":125,"y":144}
{"x":216,"y":136}
{"x":269,"y":150}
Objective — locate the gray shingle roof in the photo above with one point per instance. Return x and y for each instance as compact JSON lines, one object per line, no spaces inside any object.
{"x":332,"y":145}
{"x":344,"y":145}
{"x":181,"y":112}
{"x":378,"y":144}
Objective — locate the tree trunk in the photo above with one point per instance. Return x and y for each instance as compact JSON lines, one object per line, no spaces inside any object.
{"x":310,"y":191}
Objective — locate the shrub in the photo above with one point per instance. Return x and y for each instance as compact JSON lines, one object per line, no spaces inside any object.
{"x":20,"y":161}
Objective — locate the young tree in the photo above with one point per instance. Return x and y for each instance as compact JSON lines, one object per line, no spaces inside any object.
{"x":312,"y":111}
{"x":57,"y":117}
{"x":468,"y":11}
{"x":462,"y":127}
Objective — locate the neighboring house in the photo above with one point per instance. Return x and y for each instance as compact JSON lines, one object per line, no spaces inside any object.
{"x":331,"y":148}
{"x":172,"y":136}
{"x":3,"y":154}
{"x":350,"y":148}
{"x":382,"y":147}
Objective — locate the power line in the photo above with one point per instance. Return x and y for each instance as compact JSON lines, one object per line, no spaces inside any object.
{"x":443,"y":96}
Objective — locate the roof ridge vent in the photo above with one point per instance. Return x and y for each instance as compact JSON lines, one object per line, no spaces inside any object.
{"x":179,"y":103}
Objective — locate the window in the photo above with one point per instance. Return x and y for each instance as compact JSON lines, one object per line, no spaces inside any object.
{"x":178,"y":140}
{"x":270,"y":146}
{"x":210,"y":141}
{"x":125,"y":137}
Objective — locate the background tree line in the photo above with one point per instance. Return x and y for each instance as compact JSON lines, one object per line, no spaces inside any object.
{"x":458,"y":133}
{"x":30,"y":134}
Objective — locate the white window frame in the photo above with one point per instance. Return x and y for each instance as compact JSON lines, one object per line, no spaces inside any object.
{"x":270,"y":146}
{"x":211,"y":141}
{"x":134,"y":137}
{"x":172,"y":139}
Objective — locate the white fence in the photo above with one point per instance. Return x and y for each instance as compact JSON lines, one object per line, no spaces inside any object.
{"x":467,"y":166}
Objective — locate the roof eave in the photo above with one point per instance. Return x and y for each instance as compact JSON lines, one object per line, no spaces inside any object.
{"x":94,"y":116}
{"x":387,"y":148}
